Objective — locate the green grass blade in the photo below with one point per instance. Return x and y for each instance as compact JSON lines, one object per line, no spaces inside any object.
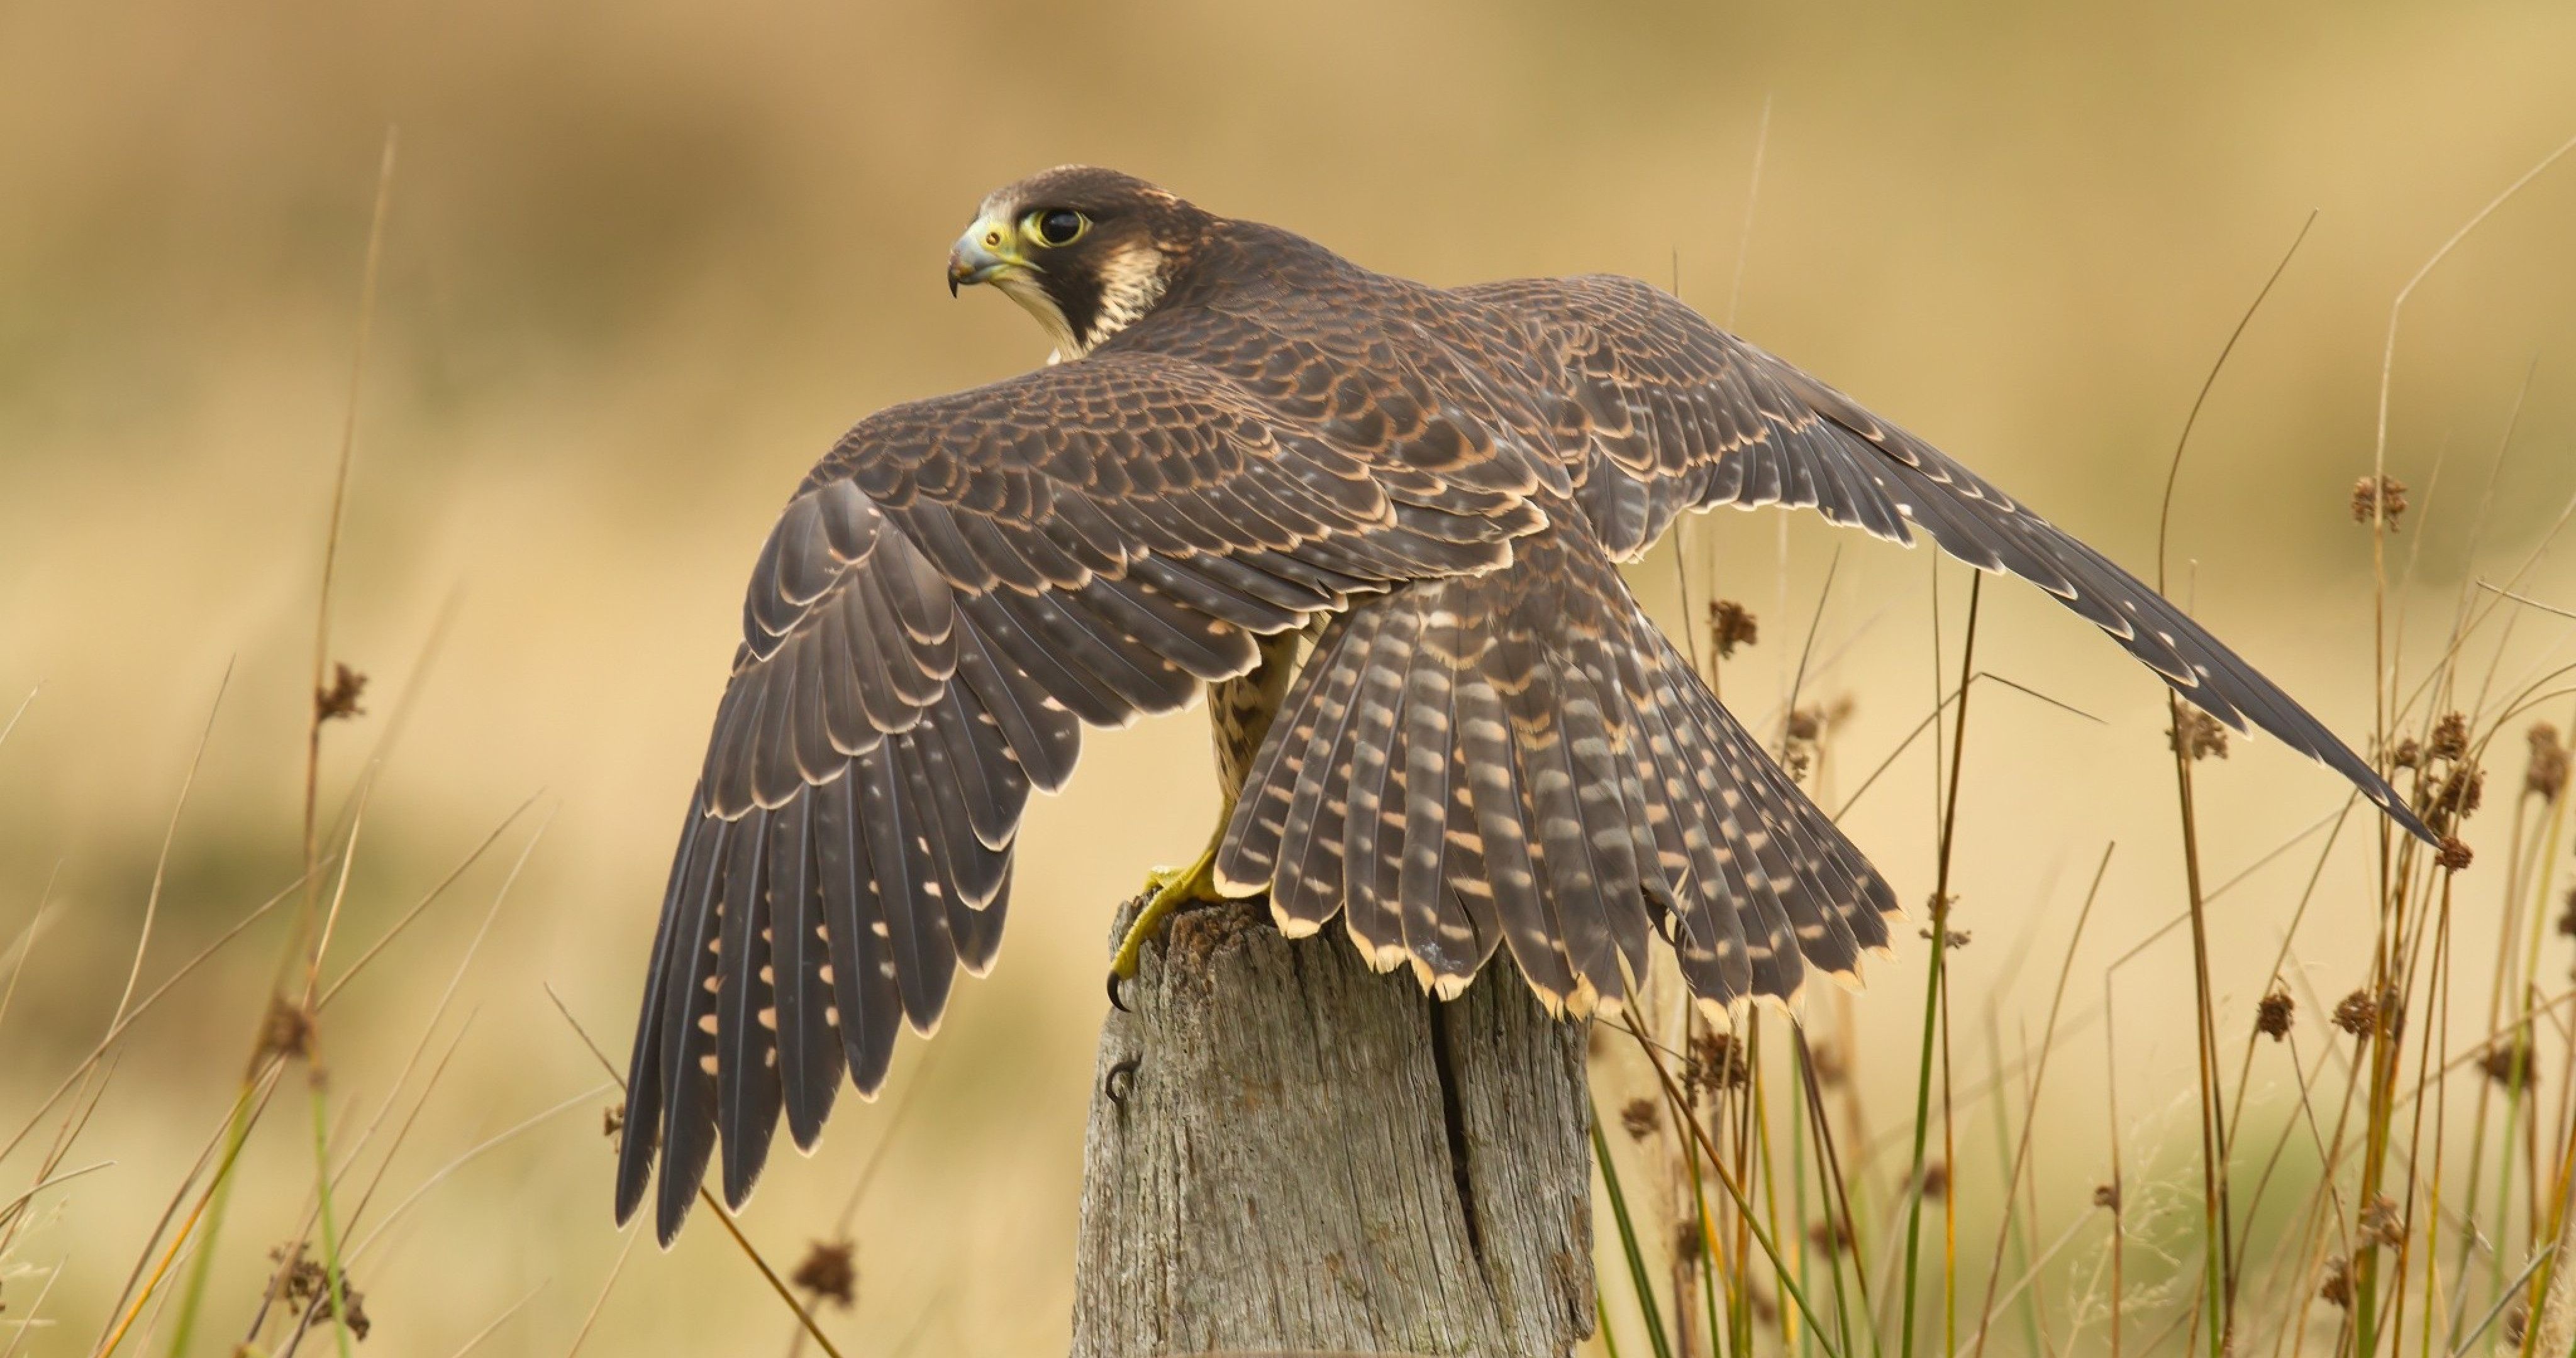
{"x":1648,"y":1309}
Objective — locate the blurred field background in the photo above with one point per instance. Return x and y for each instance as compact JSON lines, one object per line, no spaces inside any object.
{"x":643,"y":264}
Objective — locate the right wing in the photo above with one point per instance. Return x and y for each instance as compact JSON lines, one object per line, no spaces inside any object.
{"x":951,"y":594}
{"x":1674,"y":414}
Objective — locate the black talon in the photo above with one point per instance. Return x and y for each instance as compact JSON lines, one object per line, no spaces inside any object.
{"x":1115,"y":1002}
{"x":1120,"y":1081}
{"x":1664,"y":917}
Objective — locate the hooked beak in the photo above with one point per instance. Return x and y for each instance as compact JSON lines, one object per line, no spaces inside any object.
{"x":987,"y":251}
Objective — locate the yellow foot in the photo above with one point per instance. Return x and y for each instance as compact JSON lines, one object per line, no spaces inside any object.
{"x":1174,"y":889}
{"x":1161,"y":878}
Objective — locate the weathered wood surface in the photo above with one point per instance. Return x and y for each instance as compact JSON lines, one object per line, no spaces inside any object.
{"x":1290,"y":1153}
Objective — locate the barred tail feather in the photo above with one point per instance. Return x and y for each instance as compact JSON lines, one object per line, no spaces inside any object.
{"x":1494,"y":835}
{"x":1372,"y":848}
{"x":1298,"y":790}
{"x":1477,"y":763}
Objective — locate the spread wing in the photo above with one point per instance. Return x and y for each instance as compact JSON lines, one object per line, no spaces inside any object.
{"x":1671,"y":414}
{"x":950,"y":596}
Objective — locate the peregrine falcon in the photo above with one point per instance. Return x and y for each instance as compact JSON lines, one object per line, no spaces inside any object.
{"x":1381,"y":523}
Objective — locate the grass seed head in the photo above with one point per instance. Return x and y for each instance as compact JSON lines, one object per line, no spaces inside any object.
{"x":1640,"y":1118}
{"x":2385,"y":495}
{"x":303,"y":1284}
{"x":338,"y":700}
{"x":2272,"y":1014}
{"x":2450,"y":736}
{"x":1731,"y":625}
{"x":2508,"y":1064}
{"x":830,"y":1272}
{"x":1804,"y":741}
{"x":2457,"y":797}
{"x":2337,"y":1288}
{"x":2382,"y":1224}
{"x":2545,"y":776}
{"x":287,"y":1032}
{"x":2197,"y":735}
{"x":1715,"y":1062}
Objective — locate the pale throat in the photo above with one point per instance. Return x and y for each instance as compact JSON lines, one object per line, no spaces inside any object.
{"x":1024,"y":289}
{"x":1131,"y":281}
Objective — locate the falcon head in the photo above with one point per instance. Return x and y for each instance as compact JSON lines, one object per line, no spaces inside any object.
{"x":1085,"y":250}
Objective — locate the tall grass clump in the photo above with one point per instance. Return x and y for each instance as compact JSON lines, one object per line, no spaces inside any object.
{"x":170,"y":1300}
{"x":2370,"y":1169}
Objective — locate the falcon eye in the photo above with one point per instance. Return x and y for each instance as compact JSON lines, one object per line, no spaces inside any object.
{"x":1056,"y":226}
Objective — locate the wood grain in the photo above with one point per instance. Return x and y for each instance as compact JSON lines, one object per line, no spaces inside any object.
{"x":1289,"y":1153}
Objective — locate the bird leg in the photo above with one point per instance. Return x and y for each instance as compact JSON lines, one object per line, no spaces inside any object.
{"x":1240,"y":711}
{"x":1174,"y":889}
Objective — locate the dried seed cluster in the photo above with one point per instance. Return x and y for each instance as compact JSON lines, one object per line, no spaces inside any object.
{"x":1804,"y":741}
{"x":2545,"y":776}
{"x":830,"y":1273}
{"x":2272,"y":1014}
{"x":287,"y":1032}
{"x":2382,"y":1224}
{"x":2359,"y":1014}
{"x":1731,"y":625}
{"x":338,"y":700}
{"x":303,"y":1284}
{"x":1715,"y":1062}
{"x":2449,"y":785}
{"x":2508,"y":1063}
{"x":2337,"y":1288}
{"x":1640,"y":1118}
{"x":2384,"y":494}
{"x":2197,"y":735}
{"x":2450,"y":736}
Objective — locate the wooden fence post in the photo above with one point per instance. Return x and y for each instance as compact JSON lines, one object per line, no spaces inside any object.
{"x":1289,"y":1153}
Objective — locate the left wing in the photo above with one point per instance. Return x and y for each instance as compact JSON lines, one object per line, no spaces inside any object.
{"x":953,"y":593}
{"x":1671,"y":414}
